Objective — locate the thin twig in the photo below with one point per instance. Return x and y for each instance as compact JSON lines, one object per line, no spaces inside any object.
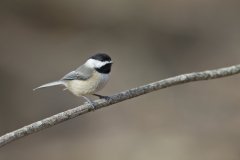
{"x":122,"y":96}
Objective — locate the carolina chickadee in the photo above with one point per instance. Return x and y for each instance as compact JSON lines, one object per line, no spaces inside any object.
{"x":87,"y":79}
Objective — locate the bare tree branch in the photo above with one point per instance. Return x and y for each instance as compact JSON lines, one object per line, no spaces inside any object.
{"x":122,"y":96}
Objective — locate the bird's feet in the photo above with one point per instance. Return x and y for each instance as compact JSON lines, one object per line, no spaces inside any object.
{"x":90,"y":102}
{"x":107,"y":98}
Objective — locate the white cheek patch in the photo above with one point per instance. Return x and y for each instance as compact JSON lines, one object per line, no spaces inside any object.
{"x":93,"y":63}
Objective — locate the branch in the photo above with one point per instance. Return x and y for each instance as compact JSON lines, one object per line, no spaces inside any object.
{"x":122,"y":96}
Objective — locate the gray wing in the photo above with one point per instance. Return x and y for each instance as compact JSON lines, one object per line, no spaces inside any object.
{"x":82,"y":73}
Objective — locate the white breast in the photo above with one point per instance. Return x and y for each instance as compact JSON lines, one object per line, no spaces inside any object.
{"x":103,"y":81}
{"x":90,"y":86}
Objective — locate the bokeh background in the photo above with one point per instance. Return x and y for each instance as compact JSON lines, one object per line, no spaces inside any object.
{"x":40,"y":41}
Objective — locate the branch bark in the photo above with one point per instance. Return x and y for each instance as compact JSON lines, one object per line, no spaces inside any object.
{"x":122,"y":96}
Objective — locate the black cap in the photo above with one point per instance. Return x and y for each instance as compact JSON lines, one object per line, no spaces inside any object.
{"x":101,"y":57}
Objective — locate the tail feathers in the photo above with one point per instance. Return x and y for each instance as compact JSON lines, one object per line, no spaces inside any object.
{"x":50,"y":84}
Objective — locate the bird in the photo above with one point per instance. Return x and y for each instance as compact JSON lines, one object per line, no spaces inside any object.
{"x":87,"y":79}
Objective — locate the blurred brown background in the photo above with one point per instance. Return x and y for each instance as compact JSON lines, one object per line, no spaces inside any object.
{"x":40,"y":41}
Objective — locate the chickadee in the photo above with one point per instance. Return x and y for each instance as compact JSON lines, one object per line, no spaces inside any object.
{"x":87,"y":79}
